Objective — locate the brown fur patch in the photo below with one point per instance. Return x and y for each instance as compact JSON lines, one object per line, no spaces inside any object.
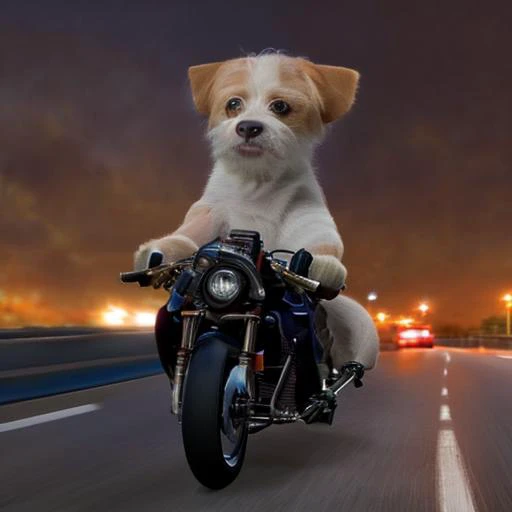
{"x":201,"y":80}
{"x":316,"y":93}
{"x":230,"y":82}
{"x":295,"y":89}
{"x":336,"y":85}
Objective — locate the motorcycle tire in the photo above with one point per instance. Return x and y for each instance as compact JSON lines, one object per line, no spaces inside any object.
{"x":202,"y":416}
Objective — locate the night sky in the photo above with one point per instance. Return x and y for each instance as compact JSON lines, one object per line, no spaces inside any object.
{"x":100,"y":147}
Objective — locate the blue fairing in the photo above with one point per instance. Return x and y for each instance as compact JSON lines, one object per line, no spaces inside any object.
{"x":298,"y":315}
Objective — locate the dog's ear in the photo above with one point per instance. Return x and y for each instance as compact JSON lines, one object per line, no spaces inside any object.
{"x":337,"y":87}
{"x":201,"y":81}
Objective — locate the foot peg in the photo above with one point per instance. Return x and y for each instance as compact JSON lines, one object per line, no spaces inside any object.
{"x":322,"y":406}
{"x":356,"y":369}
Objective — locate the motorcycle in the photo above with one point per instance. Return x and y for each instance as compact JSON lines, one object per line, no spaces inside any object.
{"x":237,"y":341}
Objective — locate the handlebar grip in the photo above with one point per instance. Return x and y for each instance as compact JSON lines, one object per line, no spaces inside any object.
{"x":140,"y":277}
{"x":324,"y":292}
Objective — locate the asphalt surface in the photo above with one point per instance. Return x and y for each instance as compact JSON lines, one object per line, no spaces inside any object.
{"x":381,"y":454}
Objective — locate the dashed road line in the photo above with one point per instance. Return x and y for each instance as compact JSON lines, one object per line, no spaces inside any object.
{"x":445,"y":372}
{"x":444,"y":413}
{"x":444,"y":392}
{"x":454,"y":491}
{"x":45,"y":418}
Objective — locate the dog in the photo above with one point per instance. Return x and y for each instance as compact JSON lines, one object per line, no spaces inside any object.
{"x":266,"y":115}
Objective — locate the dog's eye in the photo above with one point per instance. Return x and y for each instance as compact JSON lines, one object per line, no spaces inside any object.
{"x":280,"y":107}
{"x":234,"y":105}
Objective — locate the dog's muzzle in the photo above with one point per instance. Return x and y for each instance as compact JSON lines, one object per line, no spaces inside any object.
{"x":249,"y":129}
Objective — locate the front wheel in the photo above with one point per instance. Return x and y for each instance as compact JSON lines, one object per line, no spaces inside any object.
{"x":213,"y":439}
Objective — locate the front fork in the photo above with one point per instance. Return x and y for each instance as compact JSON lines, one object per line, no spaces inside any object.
{"x":241,"y":377}
{"x":191,"y":321}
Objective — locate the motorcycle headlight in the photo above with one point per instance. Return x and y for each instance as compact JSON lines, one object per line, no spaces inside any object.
{"x":224,"y":285}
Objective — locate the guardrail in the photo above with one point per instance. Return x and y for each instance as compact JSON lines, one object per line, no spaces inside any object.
{"x":500,"y":342}
{"x":40,"y":362}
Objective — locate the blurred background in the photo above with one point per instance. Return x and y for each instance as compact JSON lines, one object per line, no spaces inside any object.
{"x":101,"y":148}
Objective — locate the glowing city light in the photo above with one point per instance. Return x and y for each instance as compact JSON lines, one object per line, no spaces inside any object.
{"x":114,"y":316}
{"x":117,"y":316}
{"x":382,"y":317}
{"x":144,"y":319}
{"x":424,"y":307}
{"x":406,"y":321}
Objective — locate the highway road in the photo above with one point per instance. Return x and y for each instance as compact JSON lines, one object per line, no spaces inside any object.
{"x":431,"y":430}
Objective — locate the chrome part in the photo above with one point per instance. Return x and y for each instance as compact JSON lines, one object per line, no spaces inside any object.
{"x":241,"y":378}
{"x":191,"y":321}
{"x":165,"y":275}
{"x":303,"y":282}
{"x":256,"y":425}
{"x":232,"y":429}
{"x":235,"y":387}
{"x":274,"y":412}
{"x":325,"y":402}
{"x":250,"y":334}
{"x":341,"y":383}
{"x":236,"y":383}
{"x":224,"y":284}
{"x":238,"y":316}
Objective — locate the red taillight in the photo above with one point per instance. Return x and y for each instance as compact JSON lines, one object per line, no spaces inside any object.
{"x":411,"y":334}
{"x":414,"y":336}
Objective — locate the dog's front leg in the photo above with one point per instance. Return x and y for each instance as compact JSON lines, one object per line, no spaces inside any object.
{"x":198,"y":228}
{"x":326,"y":266}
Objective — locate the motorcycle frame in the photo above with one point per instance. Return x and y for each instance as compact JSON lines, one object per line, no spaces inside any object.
{"x":243,"y":374}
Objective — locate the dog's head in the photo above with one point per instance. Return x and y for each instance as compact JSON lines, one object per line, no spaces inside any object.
{"x":266,"y":112}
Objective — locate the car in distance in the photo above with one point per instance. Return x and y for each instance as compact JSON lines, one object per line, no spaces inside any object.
{"x":403,"y":336}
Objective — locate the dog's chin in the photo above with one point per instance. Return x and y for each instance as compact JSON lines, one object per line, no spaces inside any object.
{"x":250,"y":161}
{"x":248,"y":150}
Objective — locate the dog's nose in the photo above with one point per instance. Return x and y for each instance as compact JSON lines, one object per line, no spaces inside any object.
{"x":249,"y":129}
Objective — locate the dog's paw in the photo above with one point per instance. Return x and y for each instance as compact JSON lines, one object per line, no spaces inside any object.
{"x":172,"y":248}
{"x":328,"y":270}
{"x":142,"y":256}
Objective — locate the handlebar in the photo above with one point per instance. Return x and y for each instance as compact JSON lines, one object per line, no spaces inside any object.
{"x":304,"y":282}
{"x":157,"y":276}
{"x":154,"y":276}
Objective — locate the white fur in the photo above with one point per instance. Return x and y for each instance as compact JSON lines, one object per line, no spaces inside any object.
{"x":278,"y":195}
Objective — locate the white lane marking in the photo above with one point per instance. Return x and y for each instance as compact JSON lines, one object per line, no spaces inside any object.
{"x":505,"y":357}
{"x":444,"y":413}
{"x":453,"y":490}
{"x":51,"y":416}
{"x":444,"y":392}
{"x":445,"y":372}
{"x":447,"y":357}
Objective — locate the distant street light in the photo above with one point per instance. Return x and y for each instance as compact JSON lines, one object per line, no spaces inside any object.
{"x":372,"y":297}
{"x":381,"y":317}
{"x":507,"y":298}
{"x":424,"y":308}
